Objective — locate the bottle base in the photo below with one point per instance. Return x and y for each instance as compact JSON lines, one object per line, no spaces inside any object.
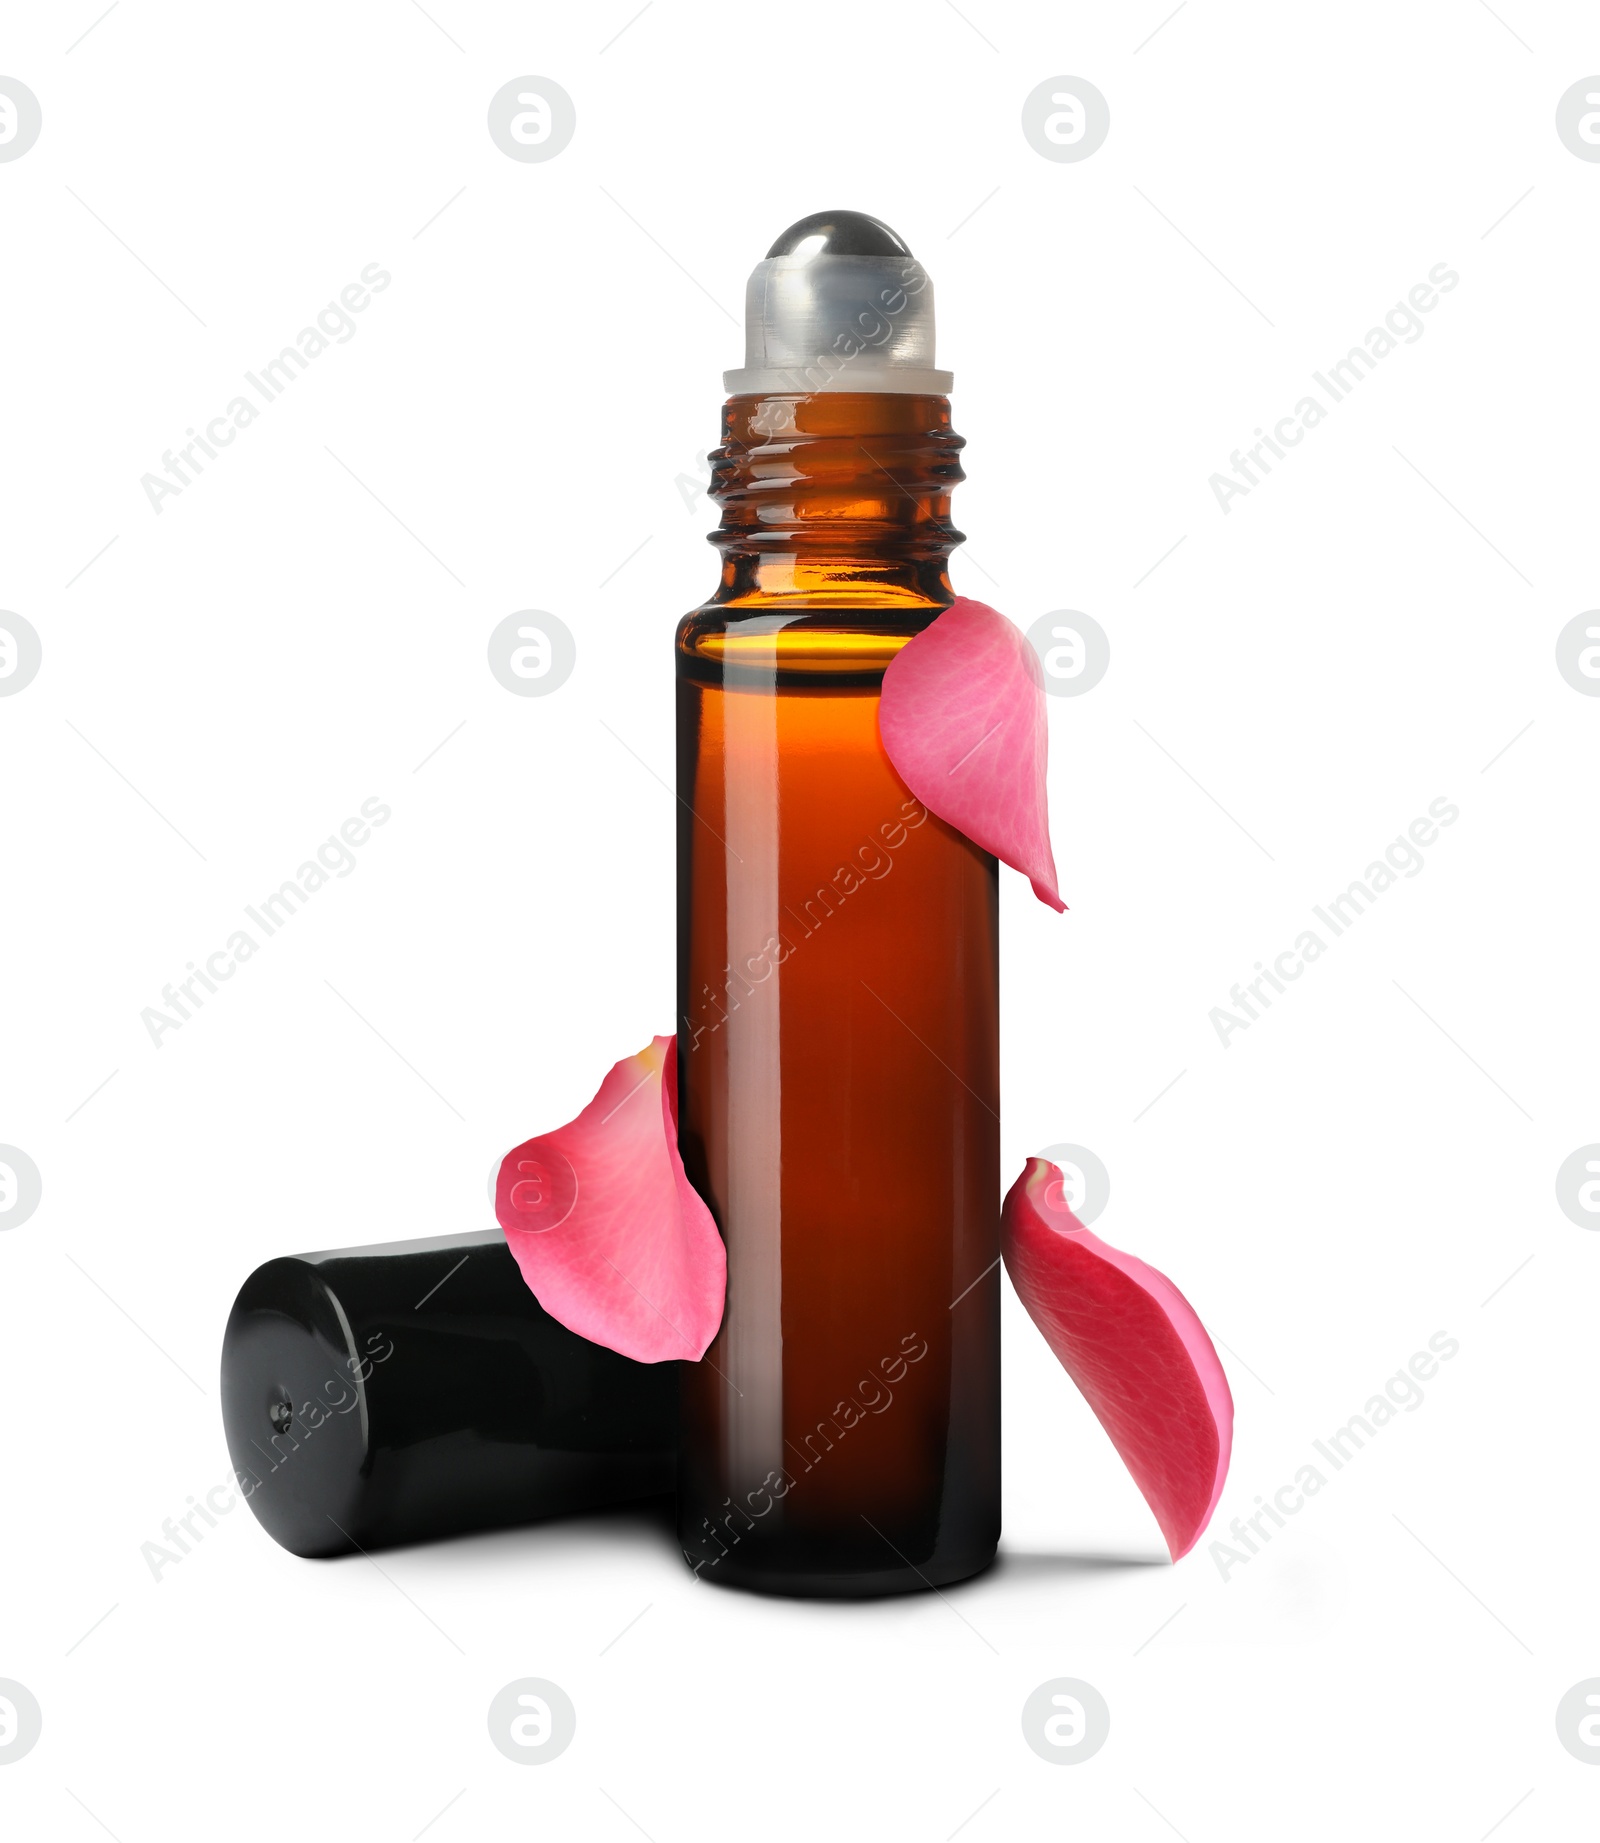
{"x":873,"y":1584}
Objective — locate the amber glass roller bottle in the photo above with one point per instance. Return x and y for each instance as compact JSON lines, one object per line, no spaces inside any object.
{"x":838,"y":1028}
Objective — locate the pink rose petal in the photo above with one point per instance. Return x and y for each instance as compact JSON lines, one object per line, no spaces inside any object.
{"x":1132,"y":1343}
{"x":611,"y":1237}
{"x":962,"y":717}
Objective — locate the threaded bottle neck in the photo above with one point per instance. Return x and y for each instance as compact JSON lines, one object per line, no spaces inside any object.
{"x":838,"y":497}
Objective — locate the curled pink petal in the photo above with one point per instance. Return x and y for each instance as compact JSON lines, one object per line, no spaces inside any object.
{"x":962,"y":717}
{"x":611,"y":1237}
{"x":1132,"y":1343}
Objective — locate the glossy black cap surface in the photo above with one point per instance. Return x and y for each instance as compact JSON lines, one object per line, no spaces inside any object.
{"x":412,"y":1390}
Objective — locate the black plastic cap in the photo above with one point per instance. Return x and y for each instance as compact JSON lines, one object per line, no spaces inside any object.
{"x":374,"y":1396}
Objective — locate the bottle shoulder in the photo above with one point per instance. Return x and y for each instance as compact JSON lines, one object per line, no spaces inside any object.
{"x":846,"y":647}
{"x":809,"y":614}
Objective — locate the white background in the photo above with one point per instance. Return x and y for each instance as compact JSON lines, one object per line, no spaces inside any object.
{"x":1364,"y":1167}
